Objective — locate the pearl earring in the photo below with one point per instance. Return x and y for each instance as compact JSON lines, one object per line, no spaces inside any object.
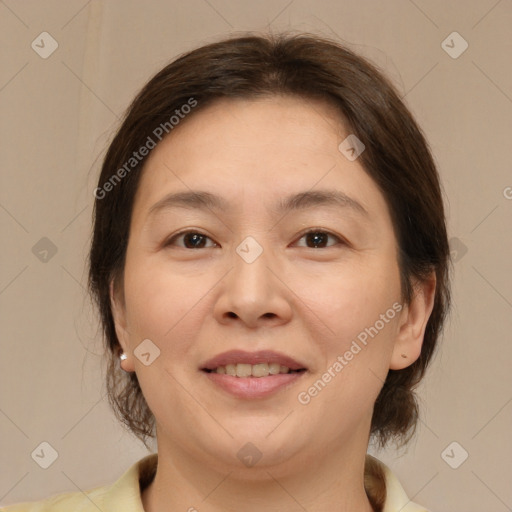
{"x":123,"y":357}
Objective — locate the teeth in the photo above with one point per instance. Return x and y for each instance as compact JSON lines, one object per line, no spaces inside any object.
{"x":260,"y":370}
{"x":274,"y":368}
{"x":252,"y":370}
{"x":243,"y":370}
{"x":230,"y":369}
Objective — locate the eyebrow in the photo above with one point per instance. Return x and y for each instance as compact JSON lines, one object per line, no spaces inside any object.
{"x":303,"y":200}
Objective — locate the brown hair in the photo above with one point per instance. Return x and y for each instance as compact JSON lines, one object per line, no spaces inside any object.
{"x":397,"y":157}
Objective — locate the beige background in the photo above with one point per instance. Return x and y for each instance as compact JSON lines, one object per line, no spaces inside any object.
{"x":58,"y":115}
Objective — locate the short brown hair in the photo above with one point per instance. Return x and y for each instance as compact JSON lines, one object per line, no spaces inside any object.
{"x":396,"y":156}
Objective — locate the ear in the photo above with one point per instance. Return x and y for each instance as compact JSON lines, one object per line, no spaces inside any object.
{"x":119,"y":314}
{"x":413,"y":321}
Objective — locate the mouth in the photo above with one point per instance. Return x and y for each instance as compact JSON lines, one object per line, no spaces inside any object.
{"x":238,"y":363}
{"x":252,"y":374}
{"x":243,"y":370}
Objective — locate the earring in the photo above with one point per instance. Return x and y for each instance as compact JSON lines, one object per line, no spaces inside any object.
{"x":123,"y":357}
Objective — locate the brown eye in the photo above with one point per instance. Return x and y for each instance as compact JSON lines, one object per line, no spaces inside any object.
{"x":191,"y":240}
{"x":317,"y":239}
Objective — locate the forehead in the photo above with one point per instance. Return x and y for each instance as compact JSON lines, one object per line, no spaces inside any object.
{"x":259,"y":150}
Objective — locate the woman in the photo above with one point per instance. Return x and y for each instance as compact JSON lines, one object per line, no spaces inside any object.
{"x":270,"y":262}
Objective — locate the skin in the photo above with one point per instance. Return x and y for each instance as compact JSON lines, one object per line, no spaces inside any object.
{"x":309,"y":303}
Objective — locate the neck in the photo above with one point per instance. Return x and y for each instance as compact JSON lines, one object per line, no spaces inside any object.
{"x":332,"y":481}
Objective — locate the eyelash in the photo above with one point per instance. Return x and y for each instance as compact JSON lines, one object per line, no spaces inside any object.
{"x":305,"y":233}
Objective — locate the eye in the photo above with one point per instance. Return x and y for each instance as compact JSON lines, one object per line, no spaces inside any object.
{"x":191,"y":239}
{"x":317,"y":238}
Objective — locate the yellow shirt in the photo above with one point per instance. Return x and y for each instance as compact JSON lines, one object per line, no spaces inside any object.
{"x":125,"y":495}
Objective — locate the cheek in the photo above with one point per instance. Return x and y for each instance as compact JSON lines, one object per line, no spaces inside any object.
{"x":353,"y":299}
{"x":355,"y":359}
{"x":166,"y":309}
{"x":163,"y":306}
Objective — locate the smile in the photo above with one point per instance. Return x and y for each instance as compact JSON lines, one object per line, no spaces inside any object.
{"x":244,"y":370}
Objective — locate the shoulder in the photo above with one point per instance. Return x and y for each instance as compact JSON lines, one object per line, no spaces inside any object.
{"x":57,"y":503}
{"x":396,"y":499}
{"x":124,"y":494}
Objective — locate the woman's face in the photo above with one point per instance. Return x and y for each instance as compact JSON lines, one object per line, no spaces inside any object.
{"x":247,"y":278}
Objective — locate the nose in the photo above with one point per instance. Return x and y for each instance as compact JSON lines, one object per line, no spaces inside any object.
{"x":253,"y":294}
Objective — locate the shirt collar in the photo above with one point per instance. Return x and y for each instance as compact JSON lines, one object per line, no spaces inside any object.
{"x":125,"y":493}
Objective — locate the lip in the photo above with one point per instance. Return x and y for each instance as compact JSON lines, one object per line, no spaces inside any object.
{"x":253,"y":387}
{"x":261,"y":356}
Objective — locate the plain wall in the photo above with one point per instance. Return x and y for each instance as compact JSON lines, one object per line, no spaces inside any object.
{"x":58,"y":115}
